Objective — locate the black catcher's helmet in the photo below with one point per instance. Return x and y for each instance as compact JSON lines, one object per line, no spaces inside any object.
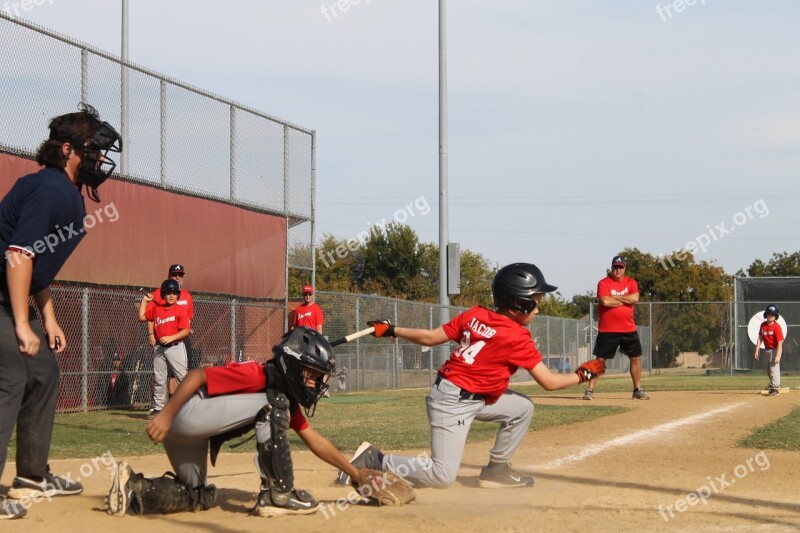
{"x":305,"y":348}
{"x":170,"y":285}
{"x":514,"y":285}
{"x":772,"y":309}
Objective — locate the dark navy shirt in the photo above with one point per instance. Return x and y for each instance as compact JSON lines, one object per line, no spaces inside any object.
{"x":42,"y":217}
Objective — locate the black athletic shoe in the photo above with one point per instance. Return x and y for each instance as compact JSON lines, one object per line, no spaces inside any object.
{"x":502,"y":476}
{"x":10,"y":510}
{"x":297,"y":502}
{"x":51,"y":485}
{"x":773,"y":391}
{"x":366,"y":456}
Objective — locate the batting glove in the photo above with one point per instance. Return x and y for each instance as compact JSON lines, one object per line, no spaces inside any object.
{"x":591,"y":370}
{"x":383,"y":328}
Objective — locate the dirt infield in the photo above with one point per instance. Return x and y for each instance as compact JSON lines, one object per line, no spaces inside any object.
{"x":670,"y":464}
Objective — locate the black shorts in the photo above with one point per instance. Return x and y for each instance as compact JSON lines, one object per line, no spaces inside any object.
{"x":606,"y":344}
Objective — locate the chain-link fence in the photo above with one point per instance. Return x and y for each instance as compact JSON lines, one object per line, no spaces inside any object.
{"x":108,"y":362}
{"x":177,"y":137}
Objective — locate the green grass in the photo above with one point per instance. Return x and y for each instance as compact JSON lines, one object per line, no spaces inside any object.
{"x":783,"y":434}
{"x":396,"y":419}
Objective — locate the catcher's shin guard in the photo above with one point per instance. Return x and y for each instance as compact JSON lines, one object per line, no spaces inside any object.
{"x":274,"y":455}
{"x":166,"y":495}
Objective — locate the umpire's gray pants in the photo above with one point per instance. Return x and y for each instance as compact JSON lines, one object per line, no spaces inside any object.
{"x":201,"y":418}
{"x":450,"y":418}
{"x":166,"y":359}
{"x":773,"y":369}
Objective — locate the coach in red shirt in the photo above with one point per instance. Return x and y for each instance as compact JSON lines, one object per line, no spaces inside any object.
{"x":617,"y":294}
{"x":309,"y":314}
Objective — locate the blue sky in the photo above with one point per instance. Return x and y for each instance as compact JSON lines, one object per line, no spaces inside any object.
{"x":576,"y":128}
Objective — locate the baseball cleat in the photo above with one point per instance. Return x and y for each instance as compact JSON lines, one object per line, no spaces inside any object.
{"x":502,"y":476}
{"x":297,"y":502}
{"x":588,"y":394}
{"x":51,"y":485}
{"x":119,"y":496}
{"x":366,"y":456}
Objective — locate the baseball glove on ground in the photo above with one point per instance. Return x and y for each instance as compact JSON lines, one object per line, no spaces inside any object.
{"x":386,"y":488}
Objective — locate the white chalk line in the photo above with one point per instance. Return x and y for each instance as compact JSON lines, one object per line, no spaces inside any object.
{"x":639,"y":436}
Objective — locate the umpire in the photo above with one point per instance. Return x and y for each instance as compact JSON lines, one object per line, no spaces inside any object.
{"x":41,"y":224}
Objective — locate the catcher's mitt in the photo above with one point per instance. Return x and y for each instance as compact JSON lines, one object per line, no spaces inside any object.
{"x":591,"y":370}
{"x":386,"y":488}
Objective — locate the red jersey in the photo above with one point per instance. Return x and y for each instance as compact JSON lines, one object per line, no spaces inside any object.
{"x":241,"y":378}
{"x":771,"y":334}
{"x":308,"y":315}
{"x":616,"y":319}
{"x":167,"y":320}
{"x":184,"y":300}
{"x":491,"y":349}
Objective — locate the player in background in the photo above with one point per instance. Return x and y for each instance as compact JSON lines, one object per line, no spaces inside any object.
{"x":219,"y":403}
{"x":617,"y":294}
{"x":770,"y":335}
{"x":175,"y":272}
{"x":171,"y":326}
{"x":473,"y":383}
{"x":309,"y":313}
{"x":41,"y":224}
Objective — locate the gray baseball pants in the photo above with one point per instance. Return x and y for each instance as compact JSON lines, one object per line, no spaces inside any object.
{"x":201,"y":418}
{"x":450,"y":418}
{"x":165,"y":359}
{"x":773,"y":369}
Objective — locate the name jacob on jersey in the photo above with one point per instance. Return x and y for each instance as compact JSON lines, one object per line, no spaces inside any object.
{"x":479,"y":328}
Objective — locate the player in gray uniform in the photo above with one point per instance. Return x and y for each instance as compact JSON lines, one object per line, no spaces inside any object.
{"x":216,"y":404}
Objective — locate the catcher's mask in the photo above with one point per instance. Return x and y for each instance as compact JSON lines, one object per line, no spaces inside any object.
{"x":96,"y":165}
{"x":299,"y":351}
{"x":514,"y":285}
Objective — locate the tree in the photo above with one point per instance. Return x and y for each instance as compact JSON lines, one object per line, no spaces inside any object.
{"x":781,"y":264}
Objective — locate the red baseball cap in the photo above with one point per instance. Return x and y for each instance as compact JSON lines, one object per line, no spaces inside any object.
{"x":308,"y":289}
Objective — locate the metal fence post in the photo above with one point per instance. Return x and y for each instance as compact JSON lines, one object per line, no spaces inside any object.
{"x":650,"y":347}
{"x":85,"y":77}
{"x":162,"y":98}
{"x":232,"y":153}
{"x":233,"y":333}
{"x":85,"y":349}
{"x":397,"y":364}
{"x":359,"y":376}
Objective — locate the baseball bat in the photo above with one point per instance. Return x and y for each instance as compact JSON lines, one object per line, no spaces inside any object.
{"x":353,"y":336}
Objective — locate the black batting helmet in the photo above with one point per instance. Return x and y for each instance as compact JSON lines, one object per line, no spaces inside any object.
{"x":305,"y":348}
{"x":772,"y":309}
{"x":514,"y":285}
{"x":170,"y":285}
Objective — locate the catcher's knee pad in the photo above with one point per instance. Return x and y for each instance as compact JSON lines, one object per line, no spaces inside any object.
{"x":274,"y":454}
{"x":167,"y":495}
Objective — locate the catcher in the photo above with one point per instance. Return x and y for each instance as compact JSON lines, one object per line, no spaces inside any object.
{"x":212,"y":405}
{"x":473,"y":383}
